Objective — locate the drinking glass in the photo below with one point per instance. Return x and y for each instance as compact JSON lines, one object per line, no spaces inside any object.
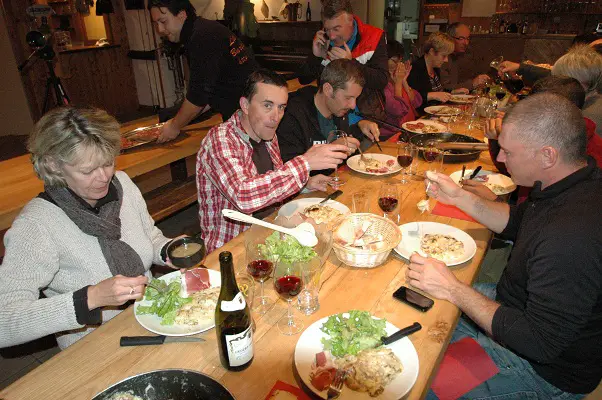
{"x":246,"y":285}
{"x":388,"y":198}
{"x":406,"y":154}
{"x":341,"y":138}
{"x":434,"y":157}
{"x":308,"y":301}
{"x":260,"y":268}
{"x":359,"y":202}
{"x":288,"y":283}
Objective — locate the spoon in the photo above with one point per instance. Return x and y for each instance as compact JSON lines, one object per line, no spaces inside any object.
{"x":304,"y":232}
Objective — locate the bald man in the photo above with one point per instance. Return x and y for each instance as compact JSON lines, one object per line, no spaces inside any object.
{"x":542,"y":323}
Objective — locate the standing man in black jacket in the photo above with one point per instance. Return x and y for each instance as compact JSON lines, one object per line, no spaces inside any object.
{"x":218,"y":61}
{"x":542,"y":323}
{"x":345,"y":36}
{"x":312,"y":112}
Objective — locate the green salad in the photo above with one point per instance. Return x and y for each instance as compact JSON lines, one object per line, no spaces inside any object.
{"x":166,"y":300}
{"x":287,"y":250}
{"x":351,"y":335}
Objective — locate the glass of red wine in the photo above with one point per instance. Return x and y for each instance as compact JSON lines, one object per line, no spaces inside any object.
{"x":389,"y":197}
{"x":433,"y":156}
{"x":288,"y":283}
{"x":260,"y":267}
{"x":406,"y":154}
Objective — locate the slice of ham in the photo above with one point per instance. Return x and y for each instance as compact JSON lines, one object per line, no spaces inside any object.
{"x":194,"y":280}
{"x":391,"y":163}
{"x":323,"y":371}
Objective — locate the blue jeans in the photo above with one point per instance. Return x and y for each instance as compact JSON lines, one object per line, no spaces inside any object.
{"x":516,"y":380}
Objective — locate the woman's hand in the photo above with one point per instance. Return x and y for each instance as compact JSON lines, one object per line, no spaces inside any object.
{"x":402,"y":71}
{"x":443,"y":97}
{"x":493,"y":128}
{"x":116,"y":291}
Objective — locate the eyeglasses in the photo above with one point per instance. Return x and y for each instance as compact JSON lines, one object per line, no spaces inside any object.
{"x":462,"y":38}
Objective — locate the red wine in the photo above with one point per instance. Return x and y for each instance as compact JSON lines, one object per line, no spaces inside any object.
{"x":500,"y":95}
{"x":404,"y":161}
{"x":232,"y":320}
{"x":260,"y":269}
{"x":288,"y":286}
{"x":431,"y":156}
{"x":387,"y":204}
{"x":514,"y":85}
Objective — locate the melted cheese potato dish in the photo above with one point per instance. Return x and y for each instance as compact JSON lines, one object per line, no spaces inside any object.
{"x":442,"y":247}
{"x":497,"y":189}
{"x":201,"y":309}
{"x":322,"y":214}
{"x":370,"y":370}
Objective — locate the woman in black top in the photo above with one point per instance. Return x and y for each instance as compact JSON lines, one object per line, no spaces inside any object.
{"x":424,"y":76}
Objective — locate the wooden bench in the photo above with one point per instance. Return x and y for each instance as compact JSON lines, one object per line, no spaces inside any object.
{"x":171,"y":198}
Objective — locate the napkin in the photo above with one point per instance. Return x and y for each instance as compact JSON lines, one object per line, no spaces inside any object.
{"x":445,"y":210}
{"x":464,"y":367}
{"x":279,"y":387}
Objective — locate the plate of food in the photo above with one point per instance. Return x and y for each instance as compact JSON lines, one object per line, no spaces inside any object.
{"x":498,"y":183}
{"x":374,"y":164}
{"x":139,"y":136}
{"x":326,"y":213}
{"x":180,"y":304}
{"x":424,"y":126}
{"x":442,"y":242}
{"x":462,"y":98}
{"x":352,"y":341}
{"x":442,"y":110}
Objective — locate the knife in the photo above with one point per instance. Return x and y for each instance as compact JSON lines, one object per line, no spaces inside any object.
{"x":154,"y":340}
{"x":475,"y":173}
{"x":401,"y":334}
{"x":332,"y":196}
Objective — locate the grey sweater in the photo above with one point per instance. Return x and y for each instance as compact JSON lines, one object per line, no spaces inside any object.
{"x":46,"y":251}
{"x":592,"y":109}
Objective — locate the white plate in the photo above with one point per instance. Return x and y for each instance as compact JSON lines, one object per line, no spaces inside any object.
{"x":297,"y":206}
{"x":152,"y":322}
{"x":354,"y":164}
{"x":440,"y":127}
{"x":492,"y":177}
{"x":309,"y":344}
{"x":434,"y":110}
{"x":409,"y":245}
{"x":462,"y":98}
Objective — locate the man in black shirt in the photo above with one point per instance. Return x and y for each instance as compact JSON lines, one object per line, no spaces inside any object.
{"x":218,"y":61}
{"x":544,"y":318}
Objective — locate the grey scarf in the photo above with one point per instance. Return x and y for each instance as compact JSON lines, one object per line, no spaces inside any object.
{"x":106,"y":226}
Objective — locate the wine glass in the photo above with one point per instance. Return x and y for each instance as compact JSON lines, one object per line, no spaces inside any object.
{"x":433,"y":156}
{"x":288,"y":283}
{"x":388,"y":198}
{"x":341,"y":138}
{"x":260,"y":267}
{"x":406,"y":153}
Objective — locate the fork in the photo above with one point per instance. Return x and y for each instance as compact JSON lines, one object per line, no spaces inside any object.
{"x":335,"y":388}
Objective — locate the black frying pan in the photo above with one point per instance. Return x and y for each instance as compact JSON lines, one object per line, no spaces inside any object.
{"x":452,"y":156}
{"x":164,"y":384}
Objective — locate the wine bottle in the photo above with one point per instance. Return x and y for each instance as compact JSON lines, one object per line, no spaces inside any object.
{"x":308,"y":13}
{"x":232,"y":320}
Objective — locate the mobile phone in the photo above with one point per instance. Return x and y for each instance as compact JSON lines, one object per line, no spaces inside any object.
{"x":413,"y":298}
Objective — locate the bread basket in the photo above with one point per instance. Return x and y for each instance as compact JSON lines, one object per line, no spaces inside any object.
{"x":357,"y":257}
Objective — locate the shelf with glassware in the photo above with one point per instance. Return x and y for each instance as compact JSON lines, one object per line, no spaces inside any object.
{"x":543,"y":23}
{"x":550,"y":6}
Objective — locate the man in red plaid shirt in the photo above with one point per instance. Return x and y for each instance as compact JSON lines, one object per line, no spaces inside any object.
{"x":239,"y":165}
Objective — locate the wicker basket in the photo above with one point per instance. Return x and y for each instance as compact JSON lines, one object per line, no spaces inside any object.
{"x":368,"y":258}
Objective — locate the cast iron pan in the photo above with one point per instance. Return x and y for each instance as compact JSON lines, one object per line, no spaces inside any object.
{"x":452,"y":156}
{"x":164,"y":384}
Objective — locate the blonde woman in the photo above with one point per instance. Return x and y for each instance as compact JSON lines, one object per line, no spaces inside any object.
{"x":87,"y":242}
{"x":584,"y":63}
{"x":425,"y":74}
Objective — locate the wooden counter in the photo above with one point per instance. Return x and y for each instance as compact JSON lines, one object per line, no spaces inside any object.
{"x":97,"y":361}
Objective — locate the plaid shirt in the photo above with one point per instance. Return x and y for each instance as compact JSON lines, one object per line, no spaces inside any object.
{"x":227,"y":178}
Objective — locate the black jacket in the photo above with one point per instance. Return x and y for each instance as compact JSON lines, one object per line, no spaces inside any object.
{"x":420,"y":81}
{"x":299,"y":128}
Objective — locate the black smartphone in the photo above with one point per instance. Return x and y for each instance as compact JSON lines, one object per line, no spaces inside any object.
{"x":413,"y":298}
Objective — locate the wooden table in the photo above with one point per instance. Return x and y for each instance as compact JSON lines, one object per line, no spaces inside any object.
{"x":97,"y":361}
{"x":19,"y":184}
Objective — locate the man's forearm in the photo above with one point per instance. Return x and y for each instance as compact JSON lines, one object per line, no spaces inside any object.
{"x":185,"y":114}
{"x":492,"y":214}
{"x":476,"y":306}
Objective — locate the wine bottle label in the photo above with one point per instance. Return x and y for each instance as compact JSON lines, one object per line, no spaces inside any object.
{"x":240,"y":347}
{"x":236,"y":304}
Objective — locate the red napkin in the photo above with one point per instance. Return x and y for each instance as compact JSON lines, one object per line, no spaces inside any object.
{"x":285,"y":387}
{"x":445,"y":210}
{"x":464,"y":367}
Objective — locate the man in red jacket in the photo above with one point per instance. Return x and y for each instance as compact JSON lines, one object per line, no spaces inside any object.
{"x":346,"y":36}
